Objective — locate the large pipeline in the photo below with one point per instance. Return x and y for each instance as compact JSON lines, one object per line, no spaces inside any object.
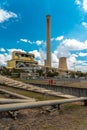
{"x":18,"y":106}
{"x":17,"y":84}
{"x":8,"y":101}
{"x":15,"y":94}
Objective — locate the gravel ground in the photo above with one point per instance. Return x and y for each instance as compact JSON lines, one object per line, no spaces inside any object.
{"x":72,"y":116}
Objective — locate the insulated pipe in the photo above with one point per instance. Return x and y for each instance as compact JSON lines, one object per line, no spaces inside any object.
{"x":18,"y":106}
{"x":14,"y":94}
{"x":8,"y":101}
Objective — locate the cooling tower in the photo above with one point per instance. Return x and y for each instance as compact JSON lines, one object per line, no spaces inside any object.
{"x":63,"y":64}
{"x":48,"y":54}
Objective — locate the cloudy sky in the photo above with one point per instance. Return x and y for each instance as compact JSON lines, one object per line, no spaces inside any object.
{"x":23,"y":28}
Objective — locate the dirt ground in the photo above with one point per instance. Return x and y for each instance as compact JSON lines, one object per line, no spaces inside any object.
{"x":71,"y":116}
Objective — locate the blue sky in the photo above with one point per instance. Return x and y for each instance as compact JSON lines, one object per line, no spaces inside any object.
{"x":23,"y":28}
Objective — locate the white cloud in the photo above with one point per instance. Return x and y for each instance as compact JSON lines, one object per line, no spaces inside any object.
{"x":4,"y":58}
{"x":7,"y":55}
{"x":36,"y":53}
{"x":85,"y":5}
{"x":82,"y":54}
{"x":77,"y":2}
{"x":59,"y":38}
{"x":82,"y":68}
{"x":52,"y":39}
{"x":6,"y":15}
{"x":13,"y":49}
{"x":40,"y":55}
{"x":77,"y":65}
{"x":62,"y":51}
{"x":74,"y":55}
{"x":82,"y":3}
{"x":81,"y":65}
{"x":71,"y":62}
{"x":73,"y":44}
{"x":38,"y":42}
{"x":55,"y":60}
{"x":25,"y":40}
{"x":2,"y":50}
{"x":84,"y":24}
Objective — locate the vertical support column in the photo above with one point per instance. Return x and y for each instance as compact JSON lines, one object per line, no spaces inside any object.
{"x":58,"y":106}
{"x":85,"y":102}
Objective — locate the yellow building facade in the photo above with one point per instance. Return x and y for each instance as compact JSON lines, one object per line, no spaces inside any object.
{"x":21,"y":60}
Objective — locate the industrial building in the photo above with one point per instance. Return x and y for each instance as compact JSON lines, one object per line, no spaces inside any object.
{"x":62,"y":68}
{"x":21,"y":60}
{"x":26,"y":61}
{"x":62,"y":64}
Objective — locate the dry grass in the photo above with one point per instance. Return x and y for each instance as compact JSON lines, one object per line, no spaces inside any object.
{"x":80,"y":84}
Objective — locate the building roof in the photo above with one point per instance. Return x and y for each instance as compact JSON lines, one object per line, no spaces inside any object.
{"x":23,"y":53}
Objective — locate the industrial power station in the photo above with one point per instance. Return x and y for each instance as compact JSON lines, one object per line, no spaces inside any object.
{"x":26,"y":60}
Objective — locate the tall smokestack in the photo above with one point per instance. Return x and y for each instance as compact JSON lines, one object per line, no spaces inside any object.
{"x":63,"y":64}
{"x":48,"y":57}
